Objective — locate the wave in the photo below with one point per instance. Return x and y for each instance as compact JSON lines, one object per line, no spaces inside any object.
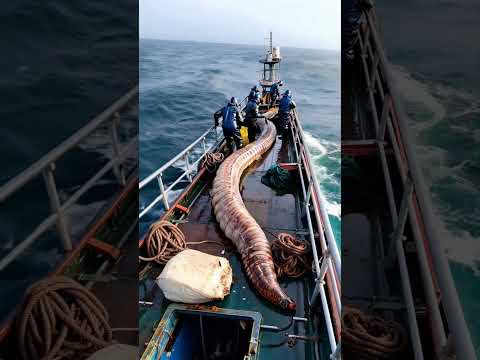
{"x":432,"y":107}
{"x":417,"y":92}
{"x":319,"y":150}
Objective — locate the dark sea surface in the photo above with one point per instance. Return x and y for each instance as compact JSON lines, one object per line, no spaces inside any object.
{"x":62,"y":63}
{"x":433,"y":48}
{"x":183,"y":83}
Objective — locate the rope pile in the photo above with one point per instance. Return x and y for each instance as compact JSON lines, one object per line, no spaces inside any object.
{"x":370,"y":337}
{"x":211,"y":161}
{"x":291,"y":256}
{"x":61,"y":319}
{"x":165,"y":240}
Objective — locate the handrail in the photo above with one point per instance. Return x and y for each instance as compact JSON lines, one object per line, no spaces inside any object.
{"x":332,"y":243}
{"x":189,"y":169}
{"x":177,"y":157}
{"x":34,"y":170}
{"x":323,"y":223}
{"x":46,"y":166}
{"x":414,"y":191}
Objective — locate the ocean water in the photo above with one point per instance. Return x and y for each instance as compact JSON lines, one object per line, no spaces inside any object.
{"x":183,"y":83}
{"x":435,"y":67}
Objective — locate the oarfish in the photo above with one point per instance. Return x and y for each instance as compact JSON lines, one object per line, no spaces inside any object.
{"x":240,"y":226}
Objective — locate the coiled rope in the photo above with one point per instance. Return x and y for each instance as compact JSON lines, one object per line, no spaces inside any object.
{"x":165,"y":240}
{"x":61,"y":319}
{"x":370,"y":337}
{"x":291,"y":256}
{"x":211,"y":161}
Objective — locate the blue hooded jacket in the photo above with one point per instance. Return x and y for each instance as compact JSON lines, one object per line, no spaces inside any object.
{"x":251,"y":110}
{"x":284,"y":105}
{"x":229,"y":114}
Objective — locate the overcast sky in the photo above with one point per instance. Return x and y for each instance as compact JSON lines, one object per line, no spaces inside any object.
{"x":307,"y":23}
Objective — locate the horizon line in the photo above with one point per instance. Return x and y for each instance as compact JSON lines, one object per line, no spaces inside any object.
{"x":241,"y":44}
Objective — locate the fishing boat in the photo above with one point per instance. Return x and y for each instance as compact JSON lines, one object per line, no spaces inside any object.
{"x":396,"y":265}
{"x":244,"y":325}
{"x":97,"y":249}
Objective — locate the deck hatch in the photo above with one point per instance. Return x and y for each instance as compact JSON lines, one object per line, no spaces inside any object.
{"x":188,"y":332}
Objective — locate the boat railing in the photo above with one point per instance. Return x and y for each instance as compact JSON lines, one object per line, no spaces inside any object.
{"x":184,"y":156}
{"x":189,"y":168}
{"x":414,"y":206}
{"x":46,"y":166}
{"x":330,"y":264}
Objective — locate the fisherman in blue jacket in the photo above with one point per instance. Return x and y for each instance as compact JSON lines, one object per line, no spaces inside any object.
{"x":254,"y":95}
{"x":284,"y":110}
{"x":251,"y":114}
{"x":230,"y":114}
{"x":274,"y":93}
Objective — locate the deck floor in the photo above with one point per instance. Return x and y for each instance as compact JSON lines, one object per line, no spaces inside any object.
{"x":275,"y":213}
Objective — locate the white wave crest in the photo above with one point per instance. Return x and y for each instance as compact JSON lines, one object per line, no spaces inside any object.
{"x":314,"y":145}
{"x":333,"y":208}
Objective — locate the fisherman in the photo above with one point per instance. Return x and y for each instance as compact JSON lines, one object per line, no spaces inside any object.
{"x":231,"y":115}
{"x":284,"y":110}
{"x":274,"y":93}
{"x":254,"y":94}
{"x":251,"y":114}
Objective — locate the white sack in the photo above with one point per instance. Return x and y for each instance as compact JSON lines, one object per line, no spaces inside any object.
{"x":194,"y":277}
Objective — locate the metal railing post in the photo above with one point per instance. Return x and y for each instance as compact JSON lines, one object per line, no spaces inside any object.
{"x":56,"y":207}
{"x":117,"y":168}
{"x":338,"y":351}
{"x":163,"y":192}
{"x":401,"y":220}
{"x":187,"y":167}
{"x":204,"y":147}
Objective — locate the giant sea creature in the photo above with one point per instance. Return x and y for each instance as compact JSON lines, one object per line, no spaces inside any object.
{"x":240,"y":226}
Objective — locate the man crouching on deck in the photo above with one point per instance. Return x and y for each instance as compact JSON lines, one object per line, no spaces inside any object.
{"x":230,"y":114}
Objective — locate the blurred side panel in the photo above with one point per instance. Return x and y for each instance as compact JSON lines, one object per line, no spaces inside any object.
{"x":69,"y":178}
{"x":399,"y":276}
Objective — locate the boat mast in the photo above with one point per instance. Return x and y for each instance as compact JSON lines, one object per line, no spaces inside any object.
{"x":271,"y":65}
{"x":271,"y":43}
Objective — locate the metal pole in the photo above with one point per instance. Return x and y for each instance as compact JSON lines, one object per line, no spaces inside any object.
{"x":56,"y":206}
{"x":338,"y":352}
{"x":187,"y":167}
{"x":402,"y":220}
{"x":204,"y":147}
{"x":117,"y":168}
{"x":328,"y":319}
{"x":163,"y":192}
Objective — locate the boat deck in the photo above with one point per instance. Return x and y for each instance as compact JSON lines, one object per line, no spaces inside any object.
{"x":275,"y":213}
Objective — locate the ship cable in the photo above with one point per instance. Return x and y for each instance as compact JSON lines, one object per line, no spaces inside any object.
{"x":370,"y":337}
{"x":211,"y":161}
{"x":165,"y":240}
{"x":61,"y":319}
{"x":290,"y":255}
